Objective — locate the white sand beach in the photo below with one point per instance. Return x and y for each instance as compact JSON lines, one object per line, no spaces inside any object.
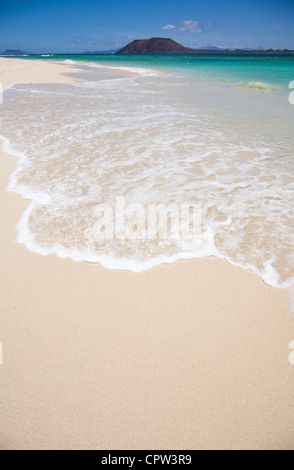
{"x":192,"y":355}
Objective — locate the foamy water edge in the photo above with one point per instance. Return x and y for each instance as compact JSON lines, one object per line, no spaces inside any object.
{"x":26,"y":238}
{"x":269,"y":275}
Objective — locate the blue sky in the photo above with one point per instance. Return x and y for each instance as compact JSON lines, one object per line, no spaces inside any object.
{"x":76,"y":26}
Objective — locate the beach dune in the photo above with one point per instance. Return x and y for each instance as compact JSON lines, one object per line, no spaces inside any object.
{"x":193,"y":355}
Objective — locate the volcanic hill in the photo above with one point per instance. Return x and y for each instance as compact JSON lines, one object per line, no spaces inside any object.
{"x":154,"y":46}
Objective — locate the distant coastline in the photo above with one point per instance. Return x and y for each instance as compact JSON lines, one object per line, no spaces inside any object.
{"x":194,"y":51}
{"x":150,"y":46}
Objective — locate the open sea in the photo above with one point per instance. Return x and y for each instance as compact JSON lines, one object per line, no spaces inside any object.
{"x":214,"y":130}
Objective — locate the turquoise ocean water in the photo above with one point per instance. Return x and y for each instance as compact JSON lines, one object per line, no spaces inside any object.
{"x":274,"y":69}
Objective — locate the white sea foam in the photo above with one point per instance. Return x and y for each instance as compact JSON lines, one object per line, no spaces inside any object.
{"x":137,"y":70}
{"x":68,"y":62}
{"x":84,"y":144}
{"x":8,"y":147}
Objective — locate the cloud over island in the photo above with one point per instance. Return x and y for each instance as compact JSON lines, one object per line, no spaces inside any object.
{"x":169,"y":26}
{"x":191,"y":26}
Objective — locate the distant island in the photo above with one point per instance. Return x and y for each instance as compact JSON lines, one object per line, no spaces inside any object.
{"x":169,"y":46}
{"x":153,"y":46}
{"x":13,"y":52}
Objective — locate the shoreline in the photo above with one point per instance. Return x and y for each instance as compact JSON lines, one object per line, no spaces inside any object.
{"x":192,"y":355}
{"x":26,"y":71}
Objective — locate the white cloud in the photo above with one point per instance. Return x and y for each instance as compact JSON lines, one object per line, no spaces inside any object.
{"x":191,"y":26}
{"x":169,"y":26}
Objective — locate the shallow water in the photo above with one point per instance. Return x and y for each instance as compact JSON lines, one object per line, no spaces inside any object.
{"x":156,"y":136}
